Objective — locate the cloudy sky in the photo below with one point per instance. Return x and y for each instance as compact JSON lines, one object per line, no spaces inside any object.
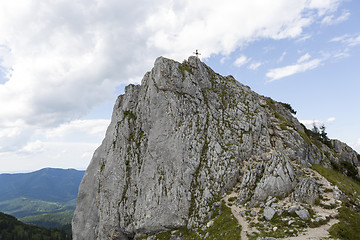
{"x":63,"y":63}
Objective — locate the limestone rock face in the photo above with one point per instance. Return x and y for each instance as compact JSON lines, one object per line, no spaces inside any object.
{"x":306,"y":191}
{"x":346,"y":153}
{"x":178,"y":142}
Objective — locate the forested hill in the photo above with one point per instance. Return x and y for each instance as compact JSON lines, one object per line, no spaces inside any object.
{"x":45,"y":198}
{"x":11,"y":228}
{"x":48,"y":184}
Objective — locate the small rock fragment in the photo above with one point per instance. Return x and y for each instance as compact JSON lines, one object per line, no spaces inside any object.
{"x":269,"y":213}
{"x":303,"y":214}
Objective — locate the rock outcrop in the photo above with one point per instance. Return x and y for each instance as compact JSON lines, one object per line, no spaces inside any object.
{"x":180,"y":141}
{"x":306,"y":191}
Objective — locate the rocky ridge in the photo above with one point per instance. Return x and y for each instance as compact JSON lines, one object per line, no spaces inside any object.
{"x":183,"y":140}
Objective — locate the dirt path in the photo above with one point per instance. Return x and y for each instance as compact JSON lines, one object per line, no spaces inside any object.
{"x":321,"y":232}
{"x":236,"y":211}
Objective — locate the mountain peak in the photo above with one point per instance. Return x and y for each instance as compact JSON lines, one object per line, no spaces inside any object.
{"x":184,"y":138}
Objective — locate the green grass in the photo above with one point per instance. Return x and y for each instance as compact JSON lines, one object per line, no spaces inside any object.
{"x":271,"y":103}
{"x":129,"y":114}
{"x":40,"y":213}
{"x":232,"y":199}
{"x":265,"y":228}
{"x":319,"y":223}
{"x":344,"y":183}
{"x":225,"y":227}
{"x":305,"y":137}
{"x":184,"y":68}
{"x":102,"y":167}
{"x":50,"y":220}
{"x":21,"y":207}
{"x":349,"y":213}
{"x":278,"y":116}
{"x":349,"y":225}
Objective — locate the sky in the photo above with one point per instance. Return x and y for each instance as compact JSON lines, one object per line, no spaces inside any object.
{"x":63,"y":63}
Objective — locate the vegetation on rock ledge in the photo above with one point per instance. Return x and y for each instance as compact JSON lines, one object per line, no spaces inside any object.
{"x":225,"y":226}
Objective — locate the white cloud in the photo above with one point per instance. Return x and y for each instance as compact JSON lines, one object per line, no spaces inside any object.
{"x":304,"y":58}
{"x":68,"y":57}
{"x":48,"y":154}
{"x":281,"y":58}
{"x":14,"y":135}
{"x":69,"y":145}
{"x":354,"y":41}
{"x":342,"y":54}
{"x":96,"y":127}
{"x":340,"y":38}
{"x":303,"y":38}
{"x":210,"y":23}
{"x":255,"y":65}
{"x":330,"y":19}
{"x":33,"y":147}
{"x":72,"y":55}
{"x":241,"y":61}
{"x":330,"y":120}
{"x":347,"y":39}
{"x":357,"y":144}
{"x":310,"y":123}
{"x":63,"y":58}
{"x":278,"y":73}
{"x":324,"y":6}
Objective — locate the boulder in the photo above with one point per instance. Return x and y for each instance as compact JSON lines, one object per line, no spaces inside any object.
{"x":306,"y":191}
{"x":269,"y":213}
{"x":294,"y":208}
{"x":303,"y":214}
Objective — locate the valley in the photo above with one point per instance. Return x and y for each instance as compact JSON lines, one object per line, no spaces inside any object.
{"x":45,"y":198}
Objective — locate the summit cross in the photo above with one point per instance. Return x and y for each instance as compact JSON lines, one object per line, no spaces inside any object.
{"x":197,"y":53}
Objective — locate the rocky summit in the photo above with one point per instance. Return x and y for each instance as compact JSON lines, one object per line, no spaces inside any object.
{"x":189,"y":149}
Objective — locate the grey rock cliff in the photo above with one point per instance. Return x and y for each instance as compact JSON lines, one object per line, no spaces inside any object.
{"x":178,"y":142}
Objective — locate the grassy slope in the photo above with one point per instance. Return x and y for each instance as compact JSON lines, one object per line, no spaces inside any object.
{"x":349,"y":213}
{"x":50,"y":220}
{"x":347,"y":185}
{"x":40,"y":213}
{"x":21,"y":207}
{"x":225,"y":226}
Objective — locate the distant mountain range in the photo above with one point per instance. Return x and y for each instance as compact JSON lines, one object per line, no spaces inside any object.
{"x":48,"y":184}
{"x":46,"y":197}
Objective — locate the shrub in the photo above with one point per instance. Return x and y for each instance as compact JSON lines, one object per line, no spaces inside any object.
{"x":288,"y":106}
{"x":347,"y":168}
